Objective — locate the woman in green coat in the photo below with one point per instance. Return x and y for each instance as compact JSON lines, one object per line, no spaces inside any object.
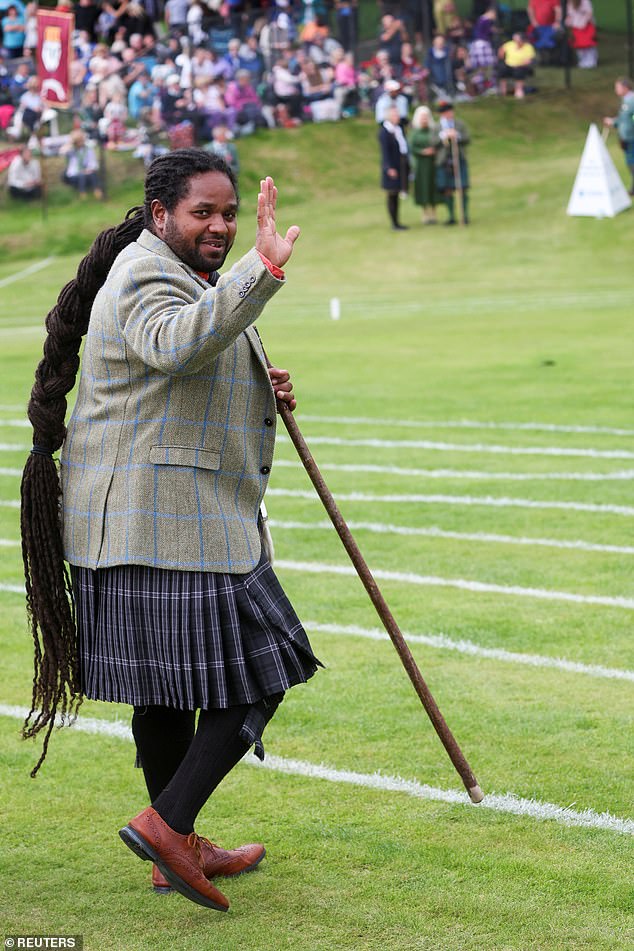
{"x":422,"y":152}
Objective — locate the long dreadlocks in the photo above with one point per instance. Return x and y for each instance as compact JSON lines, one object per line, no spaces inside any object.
{"x":50,"y":608}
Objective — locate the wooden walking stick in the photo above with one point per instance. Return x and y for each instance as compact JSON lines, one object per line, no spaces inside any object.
{"x":457,"y":177}
{"x":446,"y":737}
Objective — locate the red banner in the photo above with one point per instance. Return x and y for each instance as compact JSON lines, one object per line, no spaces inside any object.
{"x":54,"y":51}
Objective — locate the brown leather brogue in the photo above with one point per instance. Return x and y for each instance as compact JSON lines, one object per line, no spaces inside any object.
{"x":217,"y":861}
{"x":178,"y":857}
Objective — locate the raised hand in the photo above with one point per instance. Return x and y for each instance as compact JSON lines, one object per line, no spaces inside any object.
{"x":267,"y":241}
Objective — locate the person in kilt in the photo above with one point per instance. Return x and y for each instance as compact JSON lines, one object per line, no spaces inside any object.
{"x":452,"y":169}
{"x":624,"y":122}
{"x":172,"y":605}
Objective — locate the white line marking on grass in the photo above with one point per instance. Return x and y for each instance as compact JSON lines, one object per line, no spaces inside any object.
{"x":443,"y":642}
{"x":13,"y":588}
{"x":624,"y":475}
{"x":13,"y":447}
{"x":23,"y":329}
{"x":9,"y":504}
{"x":16,"y":423}
{"x":490,"y":500}
{"x":497,"y":802}
{"x":478,"y":587}
{"x":10,"y":472}
{"x":9,"y":543}
{"x":465,"y":424}
{"x":433,"y":532}
{"x":464,"y":447}
{"x":31,"y":269}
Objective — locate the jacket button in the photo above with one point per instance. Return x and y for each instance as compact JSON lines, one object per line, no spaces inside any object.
{"x":265,"y":470}
{"x":268,"y":421}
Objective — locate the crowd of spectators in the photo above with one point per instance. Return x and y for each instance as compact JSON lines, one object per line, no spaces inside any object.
{"x":149,"y":76}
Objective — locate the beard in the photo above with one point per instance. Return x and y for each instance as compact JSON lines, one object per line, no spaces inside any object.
{"x":190,"y":252}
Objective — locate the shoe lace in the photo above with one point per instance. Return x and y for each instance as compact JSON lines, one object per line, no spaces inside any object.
{"x":196,"y":842}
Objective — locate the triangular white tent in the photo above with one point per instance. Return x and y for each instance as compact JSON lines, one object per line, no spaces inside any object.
{"x":598,"y":191}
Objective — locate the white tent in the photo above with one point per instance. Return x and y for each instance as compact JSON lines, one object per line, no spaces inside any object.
{"x":598,"y":191}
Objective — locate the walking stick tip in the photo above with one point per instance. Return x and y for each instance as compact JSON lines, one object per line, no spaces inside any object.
{"x":475,"y":794}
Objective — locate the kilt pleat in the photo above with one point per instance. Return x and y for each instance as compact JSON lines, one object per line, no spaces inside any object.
{"x":187,"y":639}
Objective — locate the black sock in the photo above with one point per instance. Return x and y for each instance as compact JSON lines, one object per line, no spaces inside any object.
{"x":162,"y":736}
{"x":214,"y":751}
{"x":392,"y":207}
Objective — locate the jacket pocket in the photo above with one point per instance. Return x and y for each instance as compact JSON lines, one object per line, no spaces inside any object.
{"x":185,"y":456}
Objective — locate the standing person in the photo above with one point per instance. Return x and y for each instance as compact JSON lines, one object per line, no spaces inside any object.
{"x":25,"y":176}
{"x":452,"y":139}
{"x":394,"y":163}
{"x":423,"y":152}
{"x":164,"y":467}
{"x":13,"y":30}
{"x":624,"y":122}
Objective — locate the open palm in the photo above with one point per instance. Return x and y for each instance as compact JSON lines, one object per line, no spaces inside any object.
{"x":268,"y":242}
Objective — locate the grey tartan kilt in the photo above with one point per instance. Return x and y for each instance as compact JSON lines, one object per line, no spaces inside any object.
{"x":187,"y":639}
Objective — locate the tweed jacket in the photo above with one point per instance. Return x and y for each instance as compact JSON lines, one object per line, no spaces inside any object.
{"x":170,"y":443}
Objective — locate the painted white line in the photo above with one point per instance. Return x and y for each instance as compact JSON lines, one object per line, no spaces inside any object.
{"x":464,"y":447}
{"x":13,"y":447}
{"x":487,"y":500}
{"x":478,"y":587}
{"x":23,"y":329}
{"x":497,"y":802}
{"x":10,"y":408}
{"x":10,"y":472}
{"x":381,"y":528}
{"x":16,"y":423}
{"x":624,"y":475}
{"x":9,"y":504}
{"x":9,"y":543}
{"x":443,"y":642}
{"x":13,"y":588}
{"x":464,"y":424}
{"x":31,"y":269}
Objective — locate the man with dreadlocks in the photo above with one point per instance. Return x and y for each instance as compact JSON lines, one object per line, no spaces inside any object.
{"x":163,"y":470}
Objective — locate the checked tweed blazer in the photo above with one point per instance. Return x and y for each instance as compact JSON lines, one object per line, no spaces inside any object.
{"x":170,"y":443}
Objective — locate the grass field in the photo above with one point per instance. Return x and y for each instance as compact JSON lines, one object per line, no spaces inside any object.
{"x":472,"y":412}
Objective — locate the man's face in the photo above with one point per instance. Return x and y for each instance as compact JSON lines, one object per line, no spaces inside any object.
{"x":202,"y":228}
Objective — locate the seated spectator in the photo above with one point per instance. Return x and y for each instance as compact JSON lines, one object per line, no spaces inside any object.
{"x":209,"y":97}
{"x":580,"y":21}
{"x":277,"y":35}
{"x":345,"y":90}
{"x":317,"y":92}
{"x":30,"y":29}
{"x":90,"y":112}
{"x":516,"y":63}
{"x":31,"y":105}
{"x":25,"y":176}
{"x":412,"y":74}
{"x":287,"y":89}
{"x":77,"y":75}
{"x":440,"y":67}
{"x":112,"y":126}
{"x":82,"y":165}
{"x":251,"y":59}
{"x":221,"y":144}
{"x":17,"y":83}
{"x":231,"y":59}
{"x":140,"y":96}
{"x":391,"y":97}
{"x":13,"y":30}
{"x":247,"y":105}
